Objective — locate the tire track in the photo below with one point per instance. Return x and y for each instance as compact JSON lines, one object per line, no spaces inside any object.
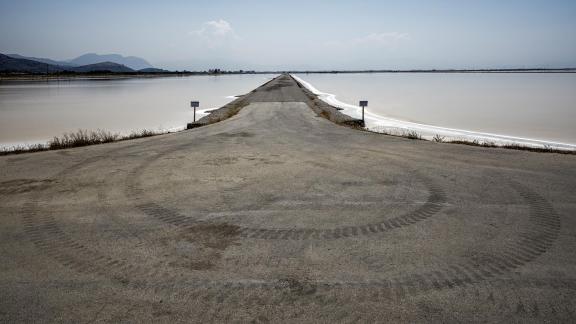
{"x":537,"y":240}
{"x":434,"y":203}
{"x":469,"y":274}
{"x":532,"y":243}
{"x":45,"y":233}
{"x":286,"y":295}
{"x":432,"y":206}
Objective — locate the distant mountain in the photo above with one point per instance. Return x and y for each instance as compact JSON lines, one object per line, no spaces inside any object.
{"x":102,"y":67}
{"x":11,"y":64}
{"x":132,"y":62}
{"x":40,"y":59}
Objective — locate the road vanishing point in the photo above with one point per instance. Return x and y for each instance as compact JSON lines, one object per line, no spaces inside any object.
{"x":279,"y":215}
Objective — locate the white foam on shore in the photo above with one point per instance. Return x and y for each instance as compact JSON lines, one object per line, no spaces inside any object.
{"x":383,"y":124}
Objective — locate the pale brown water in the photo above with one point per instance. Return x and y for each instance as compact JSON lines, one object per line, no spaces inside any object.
{"x":530,"y":105}
{"x":33,"y":112}
{"x":538,"y":106}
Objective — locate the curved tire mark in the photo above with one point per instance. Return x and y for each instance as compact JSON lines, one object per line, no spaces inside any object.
{"x":434,"y":203}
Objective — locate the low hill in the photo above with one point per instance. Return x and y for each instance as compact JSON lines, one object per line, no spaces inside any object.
{"x":132,"y":62}
{"x":11,"y":64}
{"x":20,"y":65}
{"x":40,"y":59}
{"x":102,"y":67}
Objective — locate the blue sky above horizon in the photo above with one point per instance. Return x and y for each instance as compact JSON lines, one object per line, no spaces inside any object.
{"x":361,"y":34}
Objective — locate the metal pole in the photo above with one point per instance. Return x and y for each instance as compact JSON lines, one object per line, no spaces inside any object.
{"x":362,"y":113}
{"x":195,"y":104}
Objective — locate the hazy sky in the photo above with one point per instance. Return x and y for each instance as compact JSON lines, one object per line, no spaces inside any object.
{"x":294,"y":34}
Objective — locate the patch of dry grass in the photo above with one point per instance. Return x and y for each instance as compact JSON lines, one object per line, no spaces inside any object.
{"x":18,"y":149}
{"x":412,"y":135}
{"x":82,"y":138}
{"x":514,"y":146}
{"x":438,"y":139}
{"x":79,"y":138}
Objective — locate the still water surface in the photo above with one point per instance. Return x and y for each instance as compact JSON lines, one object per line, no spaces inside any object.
{"x":33,"y":112}
{"x":530,"y":105}
{"x":538,"y":106}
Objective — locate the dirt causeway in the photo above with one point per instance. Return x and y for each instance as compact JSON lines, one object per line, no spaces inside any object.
{"x":280,"y":215}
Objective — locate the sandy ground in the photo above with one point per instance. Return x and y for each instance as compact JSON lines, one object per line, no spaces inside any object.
{"x":279,"y":215}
